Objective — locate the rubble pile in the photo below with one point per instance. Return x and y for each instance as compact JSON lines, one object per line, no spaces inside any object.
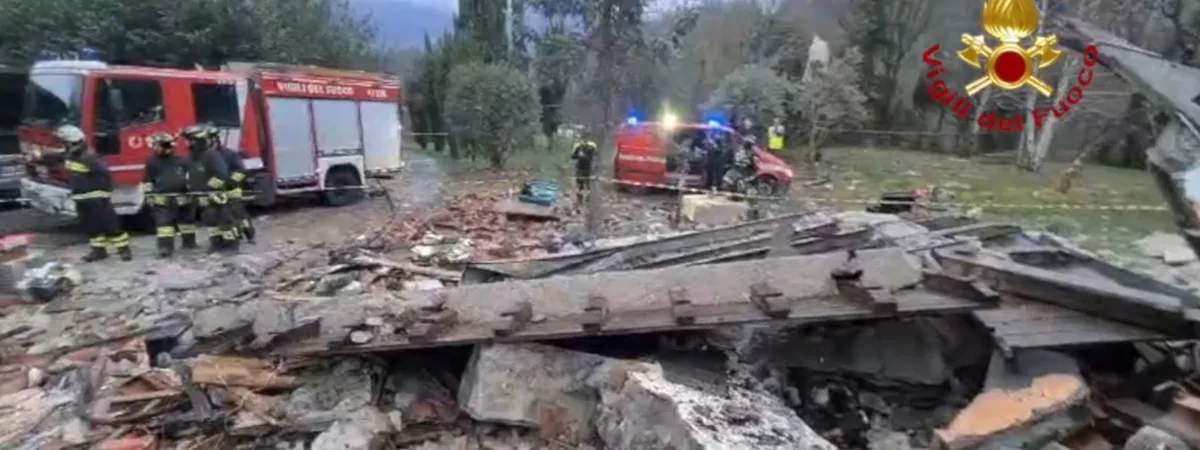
{"x":865,"y":334}
{"x":471,"y":228}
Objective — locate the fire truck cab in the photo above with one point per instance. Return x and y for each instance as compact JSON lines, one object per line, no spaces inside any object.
{"x":299,"y":129}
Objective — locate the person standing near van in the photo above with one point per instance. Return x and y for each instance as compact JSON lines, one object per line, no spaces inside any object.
{"x":583,"y":154}
{"x":775,"y":136}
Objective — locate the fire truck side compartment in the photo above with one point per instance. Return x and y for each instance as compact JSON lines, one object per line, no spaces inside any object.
{"x":381,"y":137}
{"x":295,"y":148}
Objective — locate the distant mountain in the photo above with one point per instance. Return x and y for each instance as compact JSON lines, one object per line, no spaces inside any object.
{"x":403,"y":23}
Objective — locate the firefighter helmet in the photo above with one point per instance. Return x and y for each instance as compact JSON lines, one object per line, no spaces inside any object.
{"x":197,"y":133}
{"x":162,"y":142}
{"x":70,"y":135}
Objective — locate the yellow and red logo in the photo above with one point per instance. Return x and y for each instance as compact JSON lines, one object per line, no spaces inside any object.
{"x":1009,"y":65}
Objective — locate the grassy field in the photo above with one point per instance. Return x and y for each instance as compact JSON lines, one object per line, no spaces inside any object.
{"x":866,"y":173}
{"x":863,"y":174}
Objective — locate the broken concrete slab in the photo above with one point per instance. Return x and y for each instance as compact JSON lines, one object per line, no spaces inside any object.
{"x":692,"y":414}
{"x":1156,"y":244}
{"x":329,"y":394}
{"x":1179,"y":256}
{"x":712,"y":210}
{"x":1151,"y":438}
{"x":174,"y":277}
{"x":1037,"y":397}
{"x":364,"y":429}
{"x":532,"y":385}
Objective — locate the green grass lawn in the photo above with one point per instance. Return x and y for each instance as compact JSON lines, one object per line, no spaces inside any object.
{"x":867,"y":173}
{"x":863,"y":174}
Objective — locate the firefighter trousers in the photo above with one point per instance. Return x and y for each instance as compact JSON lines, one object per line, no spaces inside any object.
{"x":241,"y":216}
{"x":218,"y":221}
{"x":103,"y":226}
{"x":171,"y":214}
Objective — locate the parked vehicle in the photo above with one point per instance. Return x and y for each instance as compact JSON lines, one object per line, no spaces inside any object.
{"x":661,"y":154}
{"x":300,"y":129}
{"x":12,"y":96}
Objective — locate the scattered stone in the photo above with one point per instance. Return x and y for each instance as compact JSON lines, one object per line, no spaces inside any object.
{"x":1042,"y":397}
{"x":365,"y":429}
{"x":1179,"y":256}
{"x":1157,"y":244}
{"x":174,"y":277}
{"x":710,"y":210}
{"x":419,"y":398}
{"x":423,"y":284}
{"x":272,"y":318}
{"x":216,"y":320}
{"x":331,"y":394}
{"x":692,"y":414}
{"x":1151,"y":438}
{"x":532,"y":385}
{"x":883,"y":439}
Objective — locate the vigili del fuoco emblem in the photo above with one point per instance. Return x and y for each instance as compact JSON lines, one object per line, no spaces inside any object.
{"x":1010,"y":64}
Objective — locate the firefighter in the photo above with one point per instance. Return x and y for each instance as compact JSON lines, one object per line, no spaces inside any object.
{"x":91,"y":188}
{"x":238,"y":176}
{"x":583,"y":154}
{"x":775,"y":136}
{"x":166,"y":187}
{"x":208,"y":182}
{"x":714,"y":161}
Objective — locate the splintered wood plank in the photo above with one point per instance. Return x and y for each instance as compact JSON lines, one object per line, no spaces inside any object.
{"x":235,"y":371}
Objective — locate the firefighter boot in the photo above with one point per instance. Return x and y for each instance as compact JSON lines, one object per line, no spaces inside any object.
{"x":248,"y":232}
{"x":232,"y":240}
{"x":125,"y":252}
{"x":187,"y":240}
{"x":96,"y":254}
{"x":215,"y":244}
{"x":166,"y":246}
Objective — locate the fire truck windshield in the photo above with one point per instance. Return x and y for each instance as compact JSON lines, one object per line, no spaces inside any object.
{"x":53,"y":100}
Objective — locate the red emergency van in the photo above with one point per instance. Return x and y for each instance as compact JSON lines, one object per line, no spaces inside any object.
{"x":651,"y":153}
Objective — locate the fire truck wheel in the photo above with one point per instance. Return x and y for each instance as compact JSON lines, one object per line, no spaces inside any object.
{"x":342,"y":187}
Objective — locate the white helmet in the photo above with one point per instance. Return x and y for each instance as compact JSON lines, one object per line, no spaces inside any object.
{"x":70,"y":135}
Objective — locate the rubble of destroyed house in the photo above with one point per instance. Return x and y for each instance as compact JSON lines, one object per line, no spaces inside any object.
{"x":488,"y":326}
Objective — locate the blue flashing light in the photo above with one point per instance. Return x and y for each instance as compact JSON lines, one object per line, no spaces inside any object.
{"x":714,"y":124}
{"x":632,"y":121}
{"x":89,"y":54}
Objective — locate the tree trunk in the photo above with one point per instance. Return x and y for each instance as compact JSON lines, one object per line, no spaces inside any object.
{"x":1041,"y":147}
{"x":1029,"y":135}
{"x":976,"y":145}
{"x":606,"y":60}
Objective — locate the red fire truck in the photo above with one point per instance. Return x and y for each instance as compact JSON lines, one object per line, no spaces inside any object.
{"x":301,"y":129}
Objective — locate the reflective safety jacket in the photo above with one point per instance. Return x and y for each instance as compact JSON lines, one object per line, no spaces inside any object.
{"x":237,"y":168}
{"x":88,"y":177}
{"x":166,"y":174}
{"x":775,"y":137}
{"x":207,"y":171}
